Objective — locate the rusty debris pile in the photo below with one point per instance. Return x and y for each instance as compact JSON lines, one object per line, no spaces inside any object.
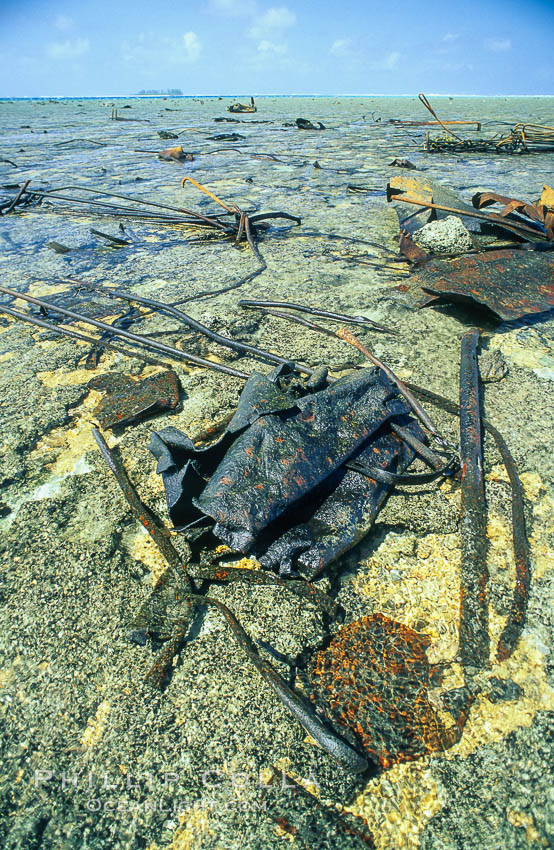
{"x":298,"y":474}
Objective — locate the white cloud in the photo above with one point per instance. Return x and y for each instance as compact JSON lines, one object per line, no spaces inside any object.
{"x":451,"y":36}
{"x":63,"y":23}
{"x":498,"y":45}
{"x":272,"y":23}
{"x":234,"y":8}
{"x":342,"y":48}
{"x":68,"y":49}
{"x":193,"y":47}
{"x":390,"y":62}
{"x":150,"y":50}
{"x":269,"y":48}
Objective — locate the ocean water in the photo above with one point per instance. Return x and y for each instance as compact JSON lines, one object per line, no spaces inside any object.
{"x":92,"y":757}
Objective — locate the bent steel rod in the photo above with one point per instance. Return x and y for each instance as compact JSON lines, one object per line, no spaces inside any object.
{"x":212,"y":220}
{"x":516,"y":617}
{"x":419,"y":411}
{"x":314,"y":311}
{"x":119,"y":332}
{"x":63,"y":331}
{"x":296,"y":704}
{"x":197,"y":326}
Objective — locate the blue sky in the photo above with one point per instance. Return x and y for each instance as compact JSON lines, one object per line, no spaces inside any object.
{"x":238,"y":47}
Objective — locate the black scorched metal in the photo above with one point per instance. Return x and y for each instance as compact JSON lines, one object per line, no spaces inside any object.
{"x":275,"y":485}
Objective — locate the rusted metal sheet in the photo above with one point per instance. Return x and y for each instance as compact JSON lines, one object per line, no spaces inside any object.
{"x":413,"y":253}
{"x":416,"y":189}
{"x":539,"y":212}
{"x":126,"y":400}
{"x":372,"y":682}
{"x":474,"y":628}
{"x":511,"y":283}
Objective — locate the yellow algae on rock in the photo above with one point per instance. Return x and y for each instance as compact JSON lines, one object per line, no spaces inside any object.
{"x":142,"y":548}
{"x":59,"y":378}
{"x":423,"y":590}
{"x":500,"y":554}
{"x":189,"y":834}
{"x":40,"y":288}
{"x":490,"y":722}
{"x":244,"y":564}
{"x":398,"y":804}
{"x":67,"y":445}
{"x":521,"y":819}
{"x":530,"y":354}
{"x":73,"y":377}
{"x":6,"y":356}
{"x":96,"y":725}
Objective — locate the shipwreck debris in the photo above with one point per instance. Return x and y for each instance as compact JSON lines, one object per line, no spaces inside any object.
{"x":474,"y":617}
{"x":126,"y":399}
{"x":305,"y":124}
{"x":182,"y":590}
{"x":177,"y":154}
{"x":315,"y":311}
{"x":510,"y":283}
{"x":243,"y":107}
{"x":373,"y":680}
{"x":542,"y":212}
{"x":518,"y":608}
{"x":277,"y":482}
{"x":148,"y":342}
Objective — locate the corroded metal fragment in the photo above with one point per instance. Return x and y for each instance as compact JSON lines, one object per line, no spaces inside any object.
{"x":126,"y":399}
{"x":372,"y":681}
{"x":511,"y":283}
{"x":474,"y":626}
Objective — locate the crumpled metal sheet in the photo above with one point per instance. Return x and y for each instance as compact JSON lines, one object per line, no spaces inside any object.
{"x":539,"y":213}
{"x":511,"y":283}
{"x":426,"y":191}
{"x":275,"y":484}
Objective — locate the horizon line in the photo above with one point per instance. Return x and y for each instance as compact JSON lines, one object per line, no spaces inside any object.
{"x":222,"y":96}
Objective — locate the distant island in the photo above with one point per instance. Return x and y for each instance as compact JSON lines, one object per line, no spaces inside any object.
{"x":172,"y":92}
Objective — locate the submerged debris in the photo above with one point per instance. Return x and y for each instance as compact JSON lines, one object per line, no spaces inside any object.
{"x":126,"y":400}
{"x":402,"y":163}
{"x":176,"y":154}
{"x":242,"y":107}
{"x":305,"y":124}
{"x":474,"y":615}
{"x":178,"y":588}
{"x":542,"y":212}
{"x":308,"y":821}
{"x":373,"y":682}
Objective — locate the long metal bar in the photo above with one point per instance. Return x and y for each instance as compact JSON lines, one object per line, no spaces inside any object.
{"x":491,"y":217}
{"x":63,"y":331}
{"x":474,"y":626}
{"x":197,"y":326}
{"x":119,"y":332}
